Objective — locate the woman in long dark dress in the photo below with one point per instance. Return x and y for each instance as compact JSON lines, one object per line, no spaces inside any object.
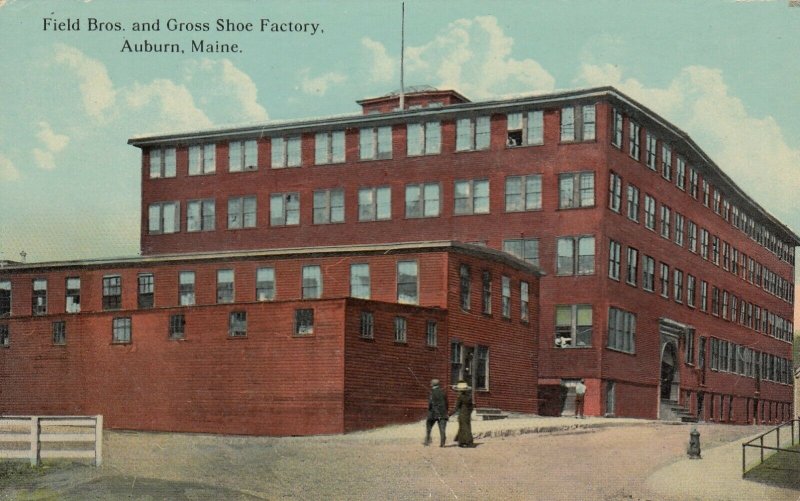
{"x":464,"y":411}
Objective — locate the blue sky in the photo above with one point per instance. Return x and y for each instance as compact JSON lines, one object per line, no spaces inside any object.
{"x":726,"y":72}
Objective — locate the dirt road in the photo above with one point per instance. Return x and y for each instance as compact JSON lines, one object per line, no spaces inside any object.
{"x":594,"y":463}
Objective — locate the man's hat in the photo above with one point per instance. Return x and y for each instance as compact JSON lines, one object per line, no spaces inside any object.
{"x":462,"y":386}
{"x":434,"y":383}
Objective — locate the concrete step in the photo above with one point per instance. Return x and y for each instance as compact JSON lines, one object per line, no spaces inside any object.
{"x":489,"y":413}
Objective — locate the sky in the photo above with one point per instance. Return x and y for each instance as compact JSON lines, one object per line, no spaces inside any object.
{"x":726,"y":72}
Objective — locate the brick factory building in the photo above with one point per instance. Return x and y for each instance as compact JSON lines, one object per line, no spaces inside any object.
{"x":280,"y":342}
{"x":666,"y":288}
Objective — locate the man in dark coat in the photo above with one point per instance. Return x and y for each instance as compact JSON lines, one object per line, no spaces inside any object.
{"x":437,"y":412}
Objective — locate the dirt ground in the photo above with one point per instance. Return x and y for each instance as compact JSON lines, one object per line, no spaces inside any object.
{"x":594,"y":463}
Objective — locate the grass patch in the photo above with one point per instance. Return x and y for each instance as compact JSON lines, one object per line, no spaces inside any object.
{"x":15,"y":473}
{"x":782,"y":469}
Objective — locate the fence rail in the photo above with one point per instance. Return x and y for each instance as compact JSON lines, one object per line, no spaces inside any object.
{"x":65,"y":436}
{"x":793,"y":429}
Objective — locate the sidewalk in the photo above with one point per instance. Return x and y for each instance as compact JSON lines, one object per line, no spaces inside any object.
{"x":718,"y":476}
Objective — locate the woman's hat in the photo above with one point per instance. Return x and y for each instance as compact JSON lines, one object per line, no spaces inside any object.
{"x":462,"y":385}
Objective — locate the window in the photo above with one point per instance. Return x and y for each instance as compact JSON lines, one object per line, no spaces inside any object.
{"x":5,"y":298}
{"x":407,"y":292}
{"x":162,"y":162}
{"x":224,"y":286}
{"x":665,"y":221}
{"x":112,"y":292}
{"x":679,"y":225}
{"x":424,"y":138}
{"x":733,"y":309}
{"x":726,"y":255}
{"x":634,"y":136}
{"x":482,"y":368}
{"x":329,"y":147}
{"x":525,"y":128}
{"x":375,"y":143}
{"x":575,"y":256}
{"x":505,"y":296}
{"x":472,"y":133}
{"x":312,"y":282}
{"x":575,"y":189}
{"x":523,"y":193}
{"x":715,"y":301}
{"x":465,"y":290}
{"x":664,"y":280}
{"x":286,"y":152}
{"x":678,"y":285}
{"x":242,"y":212}
{"x":5,"y":337}
{"x":284,"y":209}
{"x":666,"y":162}
{"x":59,"y":332}
{"x":633,"y":203}
{"x":422,"y":200}
{"x":487,"y":292}
{"x":573,"y":326}
{"x":526,"y":249}
{"x":615,"y":192}
{"x":73,"y":295}
{"x":359,"y":281}
{"x":121,"y":330}
{"x":616,"y":136}
{"x":689,"y":346}
{"x":724,"y":312}
{"x":706,"y":190}
{"x":717,"y":201}
{"x":200,"y":215}
{"x":704,"y":243}
{"x":242,"y":155}
{"x":648,"y":273}
{"x":146,"y":290}
{"x":375,"y":204}
{"x":457,"y":367}
{"x":39,"y":297}
{"x":578,"y":123}
{"x":649,"y":212}
{"x":400,"y":330}
{"x":614,"y":257}
{"x":177,"y":326}
{"x":163,"y":217}
{"x":523,"y":301}
{"x":693,"y":183}
{"x":432,"y":333}
{"x":367,"y":325}
{"x":186,"y":288}
{"x":703,"y":295}
{"x":633,"y":265}
{"x":472,"y":197}
{"x":202,"y":159}
{"x":680,"y":173}
{"x":237,"y":324}
{"x":690,"y":290}
{"x":303,"y":321}
{"x":692,"y":236}
{"x":265,"y":284}
{"x":329,"y":206}
{"x":715,"y":250}
{"x":652,"y":151}
{"x":621,"y":330}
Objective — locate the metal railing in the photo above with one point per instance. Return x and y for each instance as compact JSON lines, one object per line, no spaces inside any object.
{"x":66,"y":437}
{"x":791,"y":437}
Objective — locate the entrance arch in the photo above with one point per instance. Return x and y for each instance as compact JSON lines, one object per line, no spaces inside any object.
{"x":670,"y":375}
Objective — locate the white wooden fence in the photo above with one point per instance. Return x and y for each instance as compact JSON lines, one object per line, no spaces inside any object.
{"x":21,"y":437}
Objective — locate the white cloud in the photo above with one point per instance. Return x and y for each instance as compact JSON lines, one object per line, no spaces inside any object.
{"x":750,"y":149}
{"x":318,"y":86}
{"x":225,"y":91}
{"x":380,"y":63}
{"x":473,"y":56}
{"x":44,"y":159}
{"x":52,"y":141}
{"x":172,"y":104}
{"x":8,"y":171}
{"x":97,"y":90}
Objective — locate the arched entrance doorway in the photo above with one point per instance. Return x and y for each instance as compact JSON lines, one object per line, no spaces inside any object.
{"x":670,"y":375}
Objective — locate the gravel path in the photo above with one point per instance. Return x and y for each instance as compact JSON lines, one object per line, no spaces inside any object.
{"x":526,"y":458}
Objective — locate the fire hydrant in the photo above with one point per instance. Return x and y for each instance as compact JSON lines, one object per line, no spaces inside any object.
{"x":694,"y":444}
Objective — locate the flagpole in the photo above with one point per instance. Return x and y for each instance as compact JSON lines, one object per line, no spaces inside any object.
{"x":402,"y":54}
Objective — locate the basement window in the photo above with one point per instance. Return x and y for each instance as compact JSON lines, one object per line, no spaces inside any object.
{"x":237,"y":324}
{"x":304,"y":322}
